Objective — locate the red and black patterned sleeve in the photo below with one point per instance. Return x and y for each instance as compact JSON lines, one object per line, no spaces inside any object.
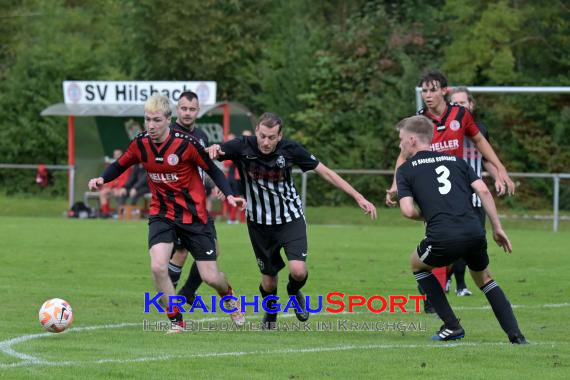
{"x":126,"y":160}
{"x":469,"y":123}
{"x":199,"y":155}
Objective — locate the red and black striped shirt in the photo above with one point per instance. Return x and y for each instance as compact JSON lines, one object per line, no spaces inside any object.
{"x":174,"y":180}
{"x":450,"y":130}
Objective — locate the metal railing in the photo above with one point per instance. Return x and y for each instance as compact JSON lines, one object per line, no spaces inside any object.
{"x":556,"y":177}
{"x":69,"y":168}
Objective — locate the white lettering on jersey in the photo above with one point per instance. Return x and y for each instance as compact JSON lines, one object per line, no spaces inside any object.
{"x":163,"y":177}
{"x":442,"y":146}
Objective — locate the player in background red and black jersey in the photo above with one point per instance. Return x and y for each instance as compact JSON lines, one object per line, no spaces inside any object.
{"x":187,"y":109}
{"x":463,"y":97}
{"x":451,"y":125}
{"x":441,"y":185}
{"x":178,"y":206}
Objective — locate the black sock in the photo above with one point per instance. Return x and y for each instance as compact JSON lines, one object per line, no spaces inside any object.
{"x":294,"y":286}
{"x":174,"y":272}
{"x":193,"y":281}
{"x":459,"y":273}
{"x":427,"y":304}
{"x":433,"y":290}
{"x":501,"y":307}
{"x":264,"y":293}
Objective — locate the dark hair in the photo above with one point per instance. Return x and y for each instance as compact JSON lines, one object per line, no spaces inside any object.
{"x":189,"y":95}
{"x":433,"y":76}
{"x":418,"y":125}
{"x":270,"y":120}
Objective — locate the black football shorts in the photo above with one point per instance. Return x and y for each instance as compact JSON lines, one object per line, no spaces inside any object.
{"x":178,"y":242}
{"x":197,"y":238}
{"x":442,"y":253}
{"x":267,"y":242}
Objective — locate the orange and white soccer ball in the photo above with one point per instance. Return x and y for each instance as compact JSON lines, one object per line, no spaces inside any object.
{"x":56,"y":315}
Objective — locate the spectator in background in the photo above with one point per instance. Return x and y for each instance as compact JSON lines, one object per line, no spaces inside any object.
{"x":135,"y":187}
{"x":42,"y":176}
{"x":113,"y":189}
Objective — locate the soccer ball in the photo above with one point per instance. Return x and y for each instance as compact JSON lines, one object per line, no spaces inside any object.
{"x":56,"y":315}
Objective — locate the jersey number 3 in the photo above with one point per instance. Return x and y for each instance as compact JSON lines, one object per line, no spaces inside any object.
{"x":442,"y":178}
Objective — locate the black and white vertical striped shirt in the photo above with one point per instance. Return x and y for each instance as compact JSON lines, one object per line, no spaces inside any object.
{"x":474,"y":158}
{"x":267,"y":180}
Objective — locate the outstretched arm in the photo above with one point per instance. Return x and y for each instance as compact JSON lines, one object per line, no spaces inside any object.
{"x":494,"y":173}
{"x":217,"y":176}
{"x":110,"y":173}
{"x":335,"y":179}
{"x":392,"y":192}
{"x":489,"y":204}
{"x":502,"y":179}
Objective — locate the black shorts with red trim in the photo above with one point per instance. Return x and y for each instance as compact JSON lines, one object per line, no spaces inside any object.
{"x":197,"y":238}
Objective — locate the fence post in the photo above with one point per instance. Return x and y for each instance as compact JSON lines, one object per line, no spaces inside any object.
{"x":71,"y":185}
{"x":556,"y":201}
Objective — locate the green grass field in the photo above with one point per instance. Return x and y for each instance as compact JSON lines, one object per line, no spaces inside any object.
{"x":102,"y":268}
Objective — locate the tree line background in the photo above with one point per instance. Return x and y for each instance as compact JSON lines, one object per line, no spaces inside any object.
{"x":340,"y":73}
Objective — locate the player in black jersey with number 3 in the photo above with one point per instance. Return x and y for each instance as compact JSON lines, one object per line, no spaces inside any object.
{"x":441,"y":185}
{"x":275,"y":216}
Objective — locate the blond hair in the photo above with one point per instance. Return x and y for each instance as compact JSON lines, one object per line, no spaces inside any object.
{"x":158,"y":103}
{"x":419,"y":125}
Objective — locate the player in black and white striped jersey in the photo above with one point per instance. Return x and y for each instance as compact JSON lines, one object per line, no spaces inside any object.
{"x":274,"y":213}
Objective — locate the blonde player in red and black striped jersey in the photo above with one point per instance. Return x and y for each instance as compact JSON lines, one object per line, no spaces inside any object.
{"x":178,"y":207}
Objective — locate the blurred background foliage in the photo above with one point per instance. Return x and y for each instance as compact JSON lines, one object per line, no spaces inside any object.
{"x":340,"y":73}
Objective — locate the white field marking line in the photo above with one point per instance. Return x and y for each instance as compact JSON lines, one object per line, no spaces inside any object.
{"x":345,"y":347}
{"x":6,"y":345}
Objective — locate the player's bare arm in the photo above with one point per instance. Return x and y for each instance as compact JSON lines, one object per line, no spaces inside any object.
{"x":392,"y":192}
{"x":489,"y":204}
{"x":494,"y":173}
{"x":409,"y":209}
{"x":505,"y":183}
{"x":335,"y":179}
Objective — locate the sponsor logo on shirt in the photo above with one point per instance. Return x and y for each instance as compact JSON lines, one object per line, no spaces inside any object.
{"x":163,"y":177}
{"x":442,"y":146}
